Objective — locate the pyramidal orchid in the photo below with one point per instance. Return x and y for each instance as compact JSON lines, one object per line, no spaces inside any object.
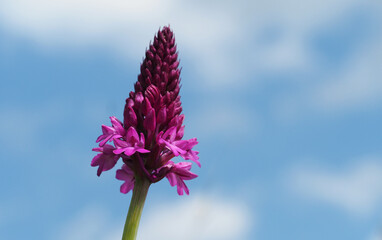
{"x":151,"y":133}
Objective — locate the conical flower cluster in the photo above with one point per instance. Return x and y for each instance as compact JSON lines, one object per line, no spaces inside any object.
{"x":152,"y":131}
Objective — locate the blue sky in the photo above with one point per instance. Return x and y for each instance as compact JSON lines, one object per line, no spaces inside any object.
{"x":284,"y":98}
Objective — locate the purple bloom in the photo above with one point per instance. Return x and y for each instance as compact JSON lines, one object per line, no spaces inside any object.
{"x":152,"y":130}
{"x":109,"y":133}
{"x":132,"y":143}
{"x":127,"y":175}
{"x":179,"y":172}
{"x":179,"y":147}
{"x":106,"y":160}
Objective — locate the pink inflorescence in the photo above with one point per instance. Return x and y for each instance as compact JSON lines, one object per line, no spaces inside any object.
{"x":152,"y":131}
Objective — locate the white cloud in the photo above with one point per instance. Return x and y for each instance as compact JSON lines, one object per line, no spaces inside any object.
{"x":221,"y":40}
{"x":359,"y":84}
{"x":22,"y":125}
{"x":91,"y":223}
{"x":118,"y":25}
{"x":376,"y":236}
{"x":357,"y":190}
{"x":223,"y":120}
{"x":196,"y":217}
{"x":219,"y":37}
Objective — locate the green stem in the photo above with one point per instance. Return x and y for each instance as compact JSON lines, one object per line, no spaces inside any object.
{"x":140,"y":190}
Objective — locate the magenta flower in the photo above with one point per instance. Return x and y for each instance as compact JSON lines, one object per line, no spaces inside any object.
{"x":179,"y":172}
{"x":152,"y":130}
{"x":109,"y":133}
{"x":132,"y":143}
{"x":127,"y":175}
{"x":106,"y":160}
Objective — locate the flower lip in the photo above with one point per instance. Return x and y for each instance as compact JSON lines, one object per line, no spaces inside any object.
{"x":127,"y":175}
{"x":178,"y":173}
{"x":105,"y":160}
{"x":109,"y":133}
{"x":132,"y":145}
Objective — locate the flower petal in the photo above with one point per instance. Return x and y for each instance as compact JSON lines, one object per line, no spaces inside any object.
{"x":132,"y":136}
{"x":105,"y":161}
{"x":117,"y":125}
{"x":142,"y":150}
{"x":176,"y":150}
{"x":131,"y":117}
{"x":95,"y":161}
{"x":129,"y":151}
{"x":150,"y":121}
{"x":119,"y":150}
{"x":170,"y":134}
{"x":120,"y":143}
{"x":127,"y":175}
{"x":178,"y":173}
{"x":192,"y":155}
{"x":126,"y":187}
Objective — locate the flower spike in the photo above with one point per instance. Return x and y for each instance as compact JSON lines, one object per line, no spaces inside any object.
{"x":152,"y":130}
